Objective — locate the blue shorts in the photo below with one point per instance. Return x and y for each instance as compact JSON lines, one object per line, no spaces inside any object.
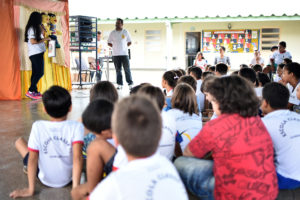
{"x":287,"y":183}
{"x":25,"y":163}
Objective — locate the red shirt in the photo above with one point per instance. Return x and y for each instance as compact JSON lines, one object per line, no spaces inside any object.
{"x":242,"y":151}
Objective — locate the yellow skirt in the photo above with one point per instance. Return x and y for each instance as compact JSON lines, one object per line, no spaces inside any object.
{"x":53,"y":75}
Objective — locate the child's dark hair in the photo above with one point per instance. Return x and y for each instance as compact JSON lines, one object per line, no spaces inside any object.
{"x":104,"y":90}
{"x":222,"y":47}
{"x":178,"y":73}
{"x":206,"y":82}
{"x":154,"y":93}
{"x":281,"y":66}
{"x":188,"y":80}
{"x":222,"y":68}
{"x":136,"y":88}
{"x":137,"y":124}
{"x":244,"y":66}
{"x":274,"y":48}
{"x":182,"y":72}
{"x":276,"y":95}
{"x":57,"y":101}
{"x":34,"y":22}
{"x":97,"y":116}
{"x":263,"y":78}
{"x":287,"y":60}
{"x":235,"y":72}
{"x":207,"y":74}
{"x":234,"y":94}
{"x":196,"y":71}
{"x":248,"y":73}
{"x":293,"y":68}
{"x":184,"y":99}
{"x":283,"y":44}
{"x":212,"y":68}
{"x":257,"y":68}
{"x":171,"y":78}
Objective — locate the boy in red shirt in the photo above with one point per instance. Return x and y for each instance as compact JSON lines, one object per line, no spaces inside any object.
{"x":242,"y":150}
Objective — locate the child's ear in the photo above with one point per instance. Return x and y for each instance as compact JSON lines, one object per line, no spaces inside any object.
{"x":44,"y":109}
{"x":264,"y":106}
{"x":115,"y":139}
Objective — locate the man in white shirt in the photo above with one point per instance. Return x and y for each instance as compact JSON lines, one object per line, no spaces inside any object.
{"x":283,"y":126}
{"x":279,"y":56}
{"x":119,"y":39}
{"x":291,"y":75}
{"x":136,"y":126}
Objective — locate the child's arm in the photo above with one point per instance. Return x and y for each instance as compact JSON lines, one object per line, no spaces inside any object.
{"x":32,"y":171}
{"x":77,"y":163}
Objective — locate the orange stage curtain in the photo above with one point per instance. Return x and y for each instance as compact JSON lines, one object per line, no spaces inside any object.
{"x":10,"y":84}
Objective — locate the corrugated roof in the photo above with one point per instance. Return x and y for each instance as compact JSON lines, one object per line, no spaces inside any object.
{"x":187,"y":9}
{"x":216,"y":18}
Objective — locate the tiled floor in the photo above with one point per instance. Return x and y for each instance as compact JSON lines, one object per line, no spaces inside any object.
{"x":16,"y":118}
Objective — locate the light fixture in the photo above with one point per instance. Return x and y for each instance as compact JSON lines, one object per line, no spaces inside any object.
{"x":229,"y":26}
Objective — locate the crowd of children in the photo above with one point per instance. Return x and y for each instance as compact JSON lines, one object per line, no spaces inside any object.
{"x":208,"y":133}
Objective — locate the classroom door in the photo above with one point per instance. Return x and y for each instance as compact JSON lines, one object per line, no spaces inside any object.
{"x":192,"y":46}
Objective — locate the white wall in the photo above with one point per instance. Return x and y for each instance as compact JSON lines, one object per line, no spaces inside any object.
{"x":289,"y":32}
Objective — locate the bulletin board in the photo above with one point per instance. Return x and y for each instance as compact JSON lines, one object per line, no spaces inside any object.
{"x":235,"y":41}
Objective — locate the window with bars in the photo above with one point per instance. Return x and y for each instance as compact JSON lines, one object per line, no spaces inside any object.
{"x":269,"y":37}
{"x":153,"y":40}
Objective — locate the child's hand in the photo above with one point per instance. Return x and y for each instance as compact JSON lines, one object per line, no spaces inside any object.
{"x":26,"y":192}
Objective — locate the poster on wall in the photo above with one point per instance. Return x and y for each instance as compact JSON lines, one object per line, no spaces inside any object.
{"x":235,"y":41}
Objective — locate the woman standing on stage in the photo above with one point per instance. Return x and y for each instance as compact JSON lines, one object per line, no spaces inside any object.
{"x":36,"y":48}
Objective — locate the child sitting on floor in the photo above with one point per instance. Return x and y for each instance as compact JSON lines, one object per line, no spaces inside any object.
{"x":291,"y":75}
{"x":166,"y":145}
{"x":100,"y":154}
{"x":196,"y":73}
{"x":137,"y":125}
{"x":241,"y":147}
{"x":101,"y":90}
{"x":169,"y":81}
{"x":186,"y":113}
{"x":283,"y":126}
{"x":54,"y":147}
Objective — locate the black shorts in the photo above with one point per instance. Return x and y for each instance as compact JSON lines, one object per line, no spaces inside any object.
{"x":107,"y":169}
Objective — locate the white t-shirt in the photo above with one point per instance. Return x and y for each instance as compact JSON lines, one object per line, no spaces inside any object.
{"x":279,"y":57}
{"x":149,"y":178}
{"x":261,"y":61}
{"x":119,"y":40}
{"x":277,"y":78}
{"x":293,"y":96}
{"x":200,"y":63}
{"x":167,"y":141}
{"x":284,"y":129}
{"x":200,"y":95}
{"x":53,"y":141}
{"x":170,"y":93}
{"x":34,"y":49}
{"x":258,"y":91}
{"x":188,"y":126}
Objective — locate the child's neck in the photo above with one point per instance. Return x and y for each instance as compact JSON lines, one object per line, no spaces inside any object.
{"x":168,"y":88}
{"x":58,"y":119}
{"x":132,"y":158}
